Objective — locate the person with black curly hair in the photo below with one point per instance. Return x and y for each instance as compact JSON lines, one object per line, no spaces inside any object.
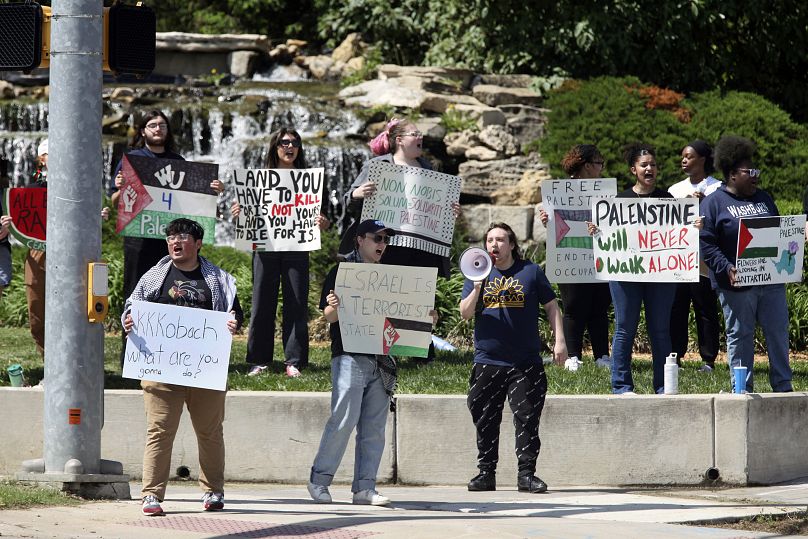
{"x":743,"y":306}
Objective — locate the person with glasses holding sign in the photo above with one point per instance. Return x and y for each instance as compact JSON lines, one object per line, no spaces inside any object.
{"x":743,"y":306}
{"x":289,"y":270}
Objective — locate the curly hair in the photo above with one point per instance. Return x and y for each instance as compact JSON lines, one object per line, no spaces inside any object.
{"x":634,"y":151}
{"x":730,"y":150}
{"x":577,"y":157}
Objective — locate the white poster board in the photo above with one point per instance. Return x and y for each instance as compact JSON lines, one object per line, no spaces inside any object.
{"x":384,"y":309}
{"x":568,"y":204}
{"x":279,"y":209}
{"x":416,"y":203}
{"x":770,"y":250}
{"x":178,"y":345}
{"x":646,"y":240}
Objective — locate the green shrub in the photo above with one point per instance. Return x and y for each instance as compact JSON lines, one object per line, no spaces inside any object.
{"x":457,"y":120}
{"x":373,"y":59}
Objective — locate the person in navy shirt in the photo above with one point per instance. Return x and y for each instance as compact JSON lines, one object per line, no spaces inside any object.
{"x":507,"y":356}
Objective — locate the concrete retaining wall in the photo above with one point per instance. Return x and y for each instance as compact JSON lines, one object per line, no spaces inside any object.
{"x":586,"y":440}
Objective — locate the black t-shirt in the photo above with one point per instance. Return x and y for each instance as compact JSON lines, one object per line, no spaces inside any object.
{"x":333,"y":329}
{"x":186,"y":289}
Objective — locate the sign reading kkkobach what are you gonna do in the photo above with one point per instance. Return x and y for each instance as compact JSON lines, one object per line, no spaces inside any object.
{"x":568,"y":204}
{"x":279,"y":209}
{"x":178,"y":345}
{"x":770,"y":250}
{"x":384,"y":309}
{"x":646,"y":240}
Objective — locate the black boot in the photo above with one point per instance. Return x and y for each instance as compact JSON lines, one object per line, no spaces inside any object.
{"x":531,"y":483}
{"x":483,"y":482}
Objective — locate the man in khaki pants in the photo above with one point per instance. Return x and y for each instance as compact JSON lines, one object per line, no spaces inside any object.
{"x":184,"y":278}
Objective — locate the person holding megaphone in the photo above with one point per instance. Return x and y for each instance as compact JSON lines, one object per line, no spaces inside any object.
{"x":503,"y":297}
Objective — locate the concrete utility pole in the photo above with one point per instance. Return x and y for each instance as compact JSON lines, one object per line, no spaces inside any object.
{"x":74,"y":347}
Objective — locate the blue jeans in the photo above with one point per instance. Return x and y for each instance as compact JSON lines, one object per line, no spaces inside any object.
{"x":358,"y":399}
{"x":767,"y":306}
{"x":627,"y":298}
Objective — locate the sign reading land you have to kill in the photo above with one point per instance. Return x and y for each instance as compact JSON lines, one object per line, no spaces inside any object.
{"x":646,"y":240}
{"x":416,"y":203}
{"x":568,"y":205}
{"x":770,"y":250}
{"x":279,"y":209}
{"x":178,"y":345}
{"x":384,"y":309}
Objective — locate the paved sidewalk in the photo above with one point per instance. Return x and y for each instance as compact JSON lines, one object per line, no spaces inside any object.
{"x":259,"y":510}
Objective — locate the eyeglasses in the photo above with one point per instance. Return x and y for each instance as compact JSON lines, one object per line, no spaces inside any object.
{"x":753,"y":172}
{"x":294,"y":143}
{"x":416,"y":134}
{"x":379,"y":238}
{"x":178,"y":237}
{"x":156,"y":126}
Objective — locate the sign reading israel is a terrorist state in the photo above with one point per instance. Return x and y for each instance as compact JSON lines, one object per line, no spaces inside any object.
{"x":646,"y":240}
{"x":157,"y":191}
{"x":178,"y":345}
{"x":770,"y":250}
{"x":28,"y":208}
{"x":279,"y":209}
{"x":416,"y":203}
{"x":384,"y":309}
{"x":568,"y":205}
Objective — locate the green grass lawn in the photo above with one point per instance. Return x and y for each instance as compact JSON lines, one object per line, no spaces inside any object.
{"x":448,"y":374}
{"x":14,"y":495}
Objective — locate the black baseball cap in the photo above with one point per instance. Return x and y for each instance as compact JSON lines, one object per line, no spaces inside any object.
{"x":373,"y":226}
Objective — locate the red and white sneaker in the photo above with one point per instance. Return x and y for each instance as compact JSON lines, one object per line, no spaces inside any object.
{"x":151,"y":506}
{"x":213,"y":501}
{"x":292,"y":371}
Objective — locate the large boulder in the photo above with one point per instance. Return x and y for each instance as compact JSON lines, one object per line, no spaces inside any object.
{"x":507,"y":81}
{"x":431,"y":128}
{"x":319,"y":65}
{"x":482,"y":178}
{"x":525,"y":123}
{"x":6,"y":90}
{"x":186,"y":42}
{"x":243,"y":63}
{"x":499,"y":139}
{"x":459,"y":142}
{"x":439,"y":103}
{"x":372,"y":93}
{"x":460,"y":77}
{"x":350,"y":47}
{"x":481,"y":153}
{"x":526,"y":191}
{"x":479,"y":216}
{"x":484,"y":115}
{"x":495,"y":96}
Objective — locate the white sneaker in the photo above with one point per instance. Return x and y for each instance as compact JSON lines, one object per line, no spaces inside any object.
{"x":572,"y":363}
{"x":369,"y":497}
{"x":604,"y":361}
{"x":319,"y":493}
{"x":627,"y":393}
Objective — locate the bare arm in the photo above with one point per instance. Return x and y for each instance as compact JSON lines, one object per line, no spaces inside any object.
{"x":554,"y":316}
{"x":468,"y":305}
{"x":331,"y":311}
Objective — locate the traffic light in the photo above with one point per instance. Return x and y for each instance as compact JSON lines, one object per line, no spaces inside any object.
{"x":24,"y":36}
{"x":129,"y":39}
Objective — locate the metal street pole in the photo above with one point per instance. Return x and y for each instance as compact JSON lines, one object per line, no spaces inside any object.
{"x":74,"y":347}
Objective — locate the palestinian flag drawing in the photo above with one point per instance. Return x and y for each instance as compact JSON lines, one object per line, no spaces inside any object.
{"x":403,"y":337}
{"x":770,"y":250}
{"x":566,"y":237}
{"x":28,"y":209}
{"x":157,"y":191}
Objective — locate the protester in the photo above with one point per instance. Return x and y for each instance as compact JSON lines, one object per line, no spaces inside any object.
{"x":362,"y":386}
{"x":35,"y":264}
{"x":586,"y":305}
{"x":206,"y":286}
{"x":629,"y":296}
{"x":153,"y":138}
{"x":743,"y":306}
{"x":288,"y":269}
{"x":507,"y":356}
{"x":697,"y":163}
{"x":5,"y":247}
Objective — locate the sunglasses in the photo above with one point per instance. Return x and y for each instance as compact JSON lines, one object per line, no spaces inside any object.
{"x":753,"y":172}
{"x":294,"y":143}
{"x":379,"y":238}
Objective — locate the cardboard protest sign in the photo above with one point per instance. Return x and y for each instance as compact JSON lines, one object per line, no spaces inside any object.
{"x":568,"y":205}
{"x":770,"y":250}
{"x":178,"y":345}
{"x":384,"y":309}
{"x":157,"y":191}
{"x":279,"y":209}
{"x":416,"y":203}
{"x":28,"y":209}
{"x":646,"y":240}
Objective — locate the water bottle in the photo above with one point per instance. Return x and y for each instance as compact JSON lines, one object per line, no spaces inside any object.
{"x":671,"y":375}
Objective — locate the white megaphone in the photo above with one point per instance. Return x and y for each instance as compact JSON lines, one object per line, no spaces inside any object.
{"x":475,"y":264}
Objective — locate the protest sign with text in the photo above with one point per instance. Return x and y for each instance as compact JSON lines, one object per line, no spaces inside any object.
{"x":568,"y":204}
{"x":646,"y":240}
{"x":28,"y":209}
{"x":279,"y":209}
{"x":157,"y":191}
{"x":770,"y":250}
{"x":416,"y":203}
{"x":178,"y":345}
{"x":384,"y":309}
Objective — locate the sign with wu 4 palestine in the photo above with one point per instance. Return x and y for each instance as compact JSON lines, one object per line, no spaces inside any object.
{"x":384,"y":309}
{"x":770,"y":250}
{"x":157,"y":191}
{"x":28,"y":209}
